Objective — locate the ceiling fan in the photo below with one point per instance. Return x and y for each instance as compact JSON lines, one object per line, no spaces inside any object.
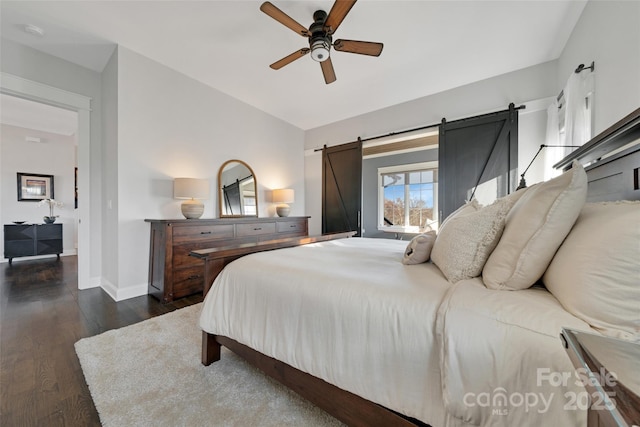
{"x":320,"y":37}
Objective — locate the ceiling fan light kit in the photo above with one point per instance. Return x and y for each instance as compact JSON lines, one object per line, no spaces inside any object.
{"x":320,"y":37}
{"x":320,"y":50}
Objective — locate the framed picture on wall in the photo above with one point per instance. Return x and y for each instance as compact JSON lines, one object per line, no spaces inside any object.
{"x":33,"y":187}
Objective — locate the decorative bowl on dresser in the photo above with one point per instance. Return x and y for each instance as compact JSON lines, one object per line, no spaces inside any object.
{"x":174,"y":274}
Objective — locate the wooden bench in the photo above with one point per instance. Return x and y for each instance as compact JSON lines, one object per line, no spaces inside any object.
{"x":215,"y":259}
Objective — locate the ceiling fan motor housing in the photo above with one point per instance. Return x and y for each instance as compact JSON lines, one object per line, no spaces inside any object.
{"x":320,"y":41}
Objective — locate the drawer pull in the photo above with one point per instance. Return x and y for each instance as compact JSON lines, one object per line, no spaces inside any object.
{"x":257,"y":229}
{"x":194,"y":276}
{"x":205,"y":232}
{"x":293,"y":226}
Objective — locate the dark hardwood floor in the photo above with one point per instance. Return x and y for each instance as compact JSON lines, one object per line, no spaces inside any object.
{"x":42,"y":315}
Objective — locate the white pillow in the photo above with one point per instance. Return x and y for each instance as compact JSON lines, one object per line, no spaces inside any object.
{"x":466,"y":239}
{"x":470,"y":206}
{"x":596,"y":272}
{"x":419,"y":248}
{"x":535,"y":228}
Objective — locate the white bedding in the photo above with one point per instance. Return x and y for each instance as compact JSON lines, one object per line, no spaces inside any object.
{"x":348,"y":311}
{"x":501,"y":358}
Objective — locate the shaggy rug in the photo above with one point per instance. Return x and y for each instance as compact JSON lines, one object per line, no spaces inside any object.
{"x":150,"y":374}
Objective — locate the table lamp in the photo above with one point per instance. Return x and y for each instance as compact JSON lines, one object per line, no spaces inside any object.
{"x":283,"y":196}
{"x":191,"y":189}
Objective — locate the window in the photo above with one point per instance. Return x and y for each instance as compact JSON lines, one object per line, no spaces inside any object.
{"x":407,"y":201}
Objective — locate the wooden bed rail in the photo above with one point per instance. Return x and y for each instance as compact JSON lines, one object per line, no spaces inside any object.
{"x":349,"y":408}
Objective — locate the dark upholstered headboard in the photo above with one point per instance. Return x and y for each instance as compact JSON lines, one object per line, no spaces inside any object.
{"x":612,"y":161}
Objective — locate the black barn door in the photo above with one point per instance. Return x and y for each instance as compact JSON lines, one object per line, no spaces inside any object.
{"x":474,"y":151}
{"x":342,"y":188}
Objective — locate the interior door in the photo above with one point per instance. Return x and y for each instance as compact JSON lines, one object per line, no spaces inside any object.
{"x":480,"y":151}
{"x":342,"y":188}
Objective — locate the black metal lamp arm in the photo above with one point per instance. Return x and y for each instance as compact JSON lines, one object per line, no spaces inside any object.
{"x":523,"y":183}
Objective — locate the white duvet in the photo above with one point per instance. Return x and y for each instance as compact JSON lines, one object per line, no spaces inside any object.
{"x":348,"y":311}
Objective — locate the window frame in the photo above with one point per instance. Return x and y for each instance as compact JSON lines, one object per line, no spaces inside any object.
{"x":410,"y":167}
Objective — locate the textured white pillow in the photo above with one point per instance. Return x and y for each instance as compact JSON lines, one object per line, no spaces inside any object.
{"x":470,"y":206}
{"x":535,"y":228}
{"x":419,"y":248}
{"x":596,"y":272}
{"x":466,"y":239}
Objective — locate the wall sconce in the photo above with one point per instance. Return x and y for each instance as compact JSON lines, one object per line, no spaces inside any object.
{"x":192,"y":189}
{"x":283,"y":196}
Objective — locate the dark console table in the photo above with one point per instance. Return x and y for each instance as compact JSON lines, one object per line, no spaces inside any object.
{"x":32,"y":239}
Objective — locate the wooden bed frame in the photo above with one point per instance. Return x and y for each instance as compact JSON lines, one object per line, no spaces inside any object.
{"x":617,"y":177}
{"x":349,"y":408}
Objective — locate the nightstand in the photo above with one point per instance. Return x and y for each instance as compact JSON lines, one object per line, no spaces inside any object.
{"x":609,"y":369}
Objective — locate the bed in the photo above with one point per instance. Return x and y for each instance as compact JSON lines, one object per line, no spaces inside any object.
{"x":375,"y":341}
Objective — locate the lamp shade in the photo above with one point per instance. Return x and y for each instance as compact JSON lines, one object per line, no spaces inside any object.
{"x":285,"y":195}
{"x":190,"y":188}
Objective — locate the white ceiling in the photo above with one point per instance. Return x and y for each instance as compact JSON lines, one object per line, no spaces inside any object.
{"x":429,"y":46}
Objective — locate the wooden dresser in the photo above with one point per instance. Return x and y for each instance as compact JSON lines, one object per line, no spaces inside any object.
{"x":174,"y":274}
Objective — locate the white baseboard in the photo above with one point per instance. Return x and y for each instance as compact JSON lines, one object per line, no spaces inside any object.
{"x":93,"y":282}
{"x":132,"y":292}
{"x":122,"y":294}
{"x":109,"y":288}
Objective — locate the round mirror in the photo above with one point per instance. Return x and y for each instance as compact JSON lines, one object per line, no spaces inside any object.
{"x":238,"y":190}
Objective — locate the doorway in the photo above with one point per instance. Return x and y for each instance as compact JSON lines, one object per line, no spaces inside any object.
{"x":38,"y":92}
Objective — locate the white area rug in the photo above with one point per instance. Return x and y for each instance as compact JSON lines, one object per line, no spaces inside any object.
{"x":150,"y":374}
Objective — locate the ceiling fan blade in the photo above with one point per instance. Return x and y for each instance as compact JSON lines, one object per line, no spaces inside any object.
{"x":327,"y":71}
{"x":290,"y":58}
{"x":355,"y":46}
{"x":337,"y":13}
{"x":283,"y":18}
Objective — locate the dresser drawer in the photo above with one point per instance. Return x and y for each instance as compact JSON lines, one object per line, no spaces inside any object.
{"x":49,"y":231}
{"x":201,"y":233}
{"x":187,"y":281}
{"x":291,"y":227}
{"x":255,"y":229}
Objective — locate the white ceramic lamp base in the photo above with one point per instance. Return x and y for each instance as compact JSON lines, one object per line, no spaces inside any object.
{"x":283,"y":210}
{"x":192,"y":209}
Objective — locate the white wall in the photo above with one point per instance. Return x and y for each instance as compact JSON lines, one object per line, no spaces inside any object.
{"x":109,"y":179}
{"x":168,"y":126}
{"x":608,"y":33}
{"x":532,"y":126}
{"x":36,"y":66}
{"x":313,"y":190}
{"x":54,"y":156}
{"x":480,"y":97}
